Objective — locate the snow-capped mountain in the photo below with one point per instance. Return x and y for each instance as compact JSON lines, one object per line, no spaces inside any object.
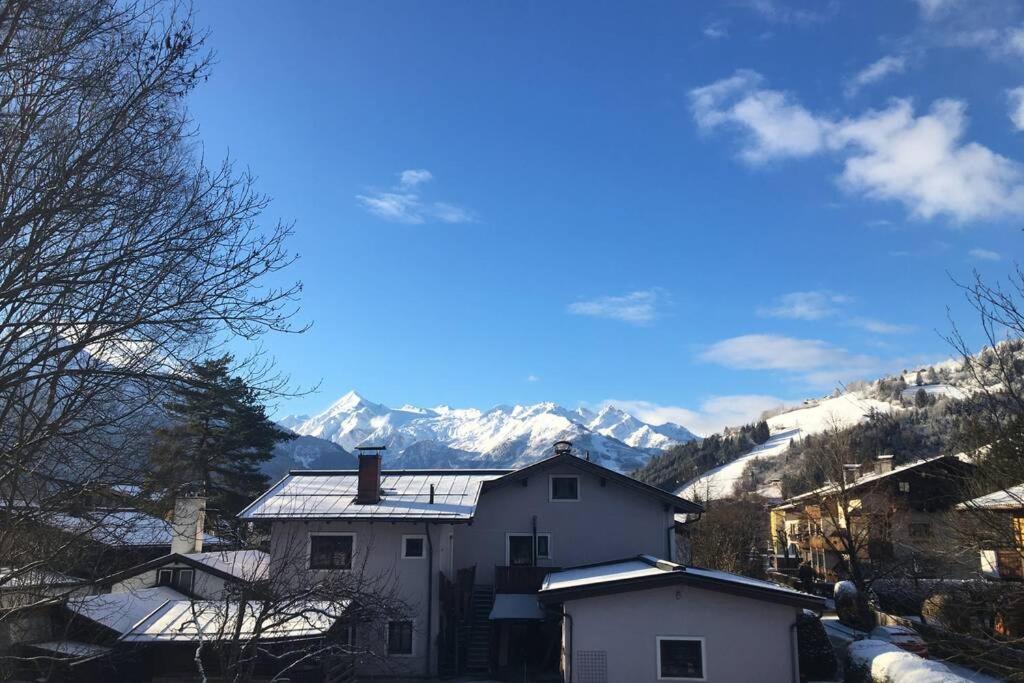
{"x":503,"y":436}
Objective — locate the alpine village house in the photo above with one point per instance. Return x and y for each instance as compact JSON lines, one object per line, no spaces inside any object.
{"x":558,"y":571}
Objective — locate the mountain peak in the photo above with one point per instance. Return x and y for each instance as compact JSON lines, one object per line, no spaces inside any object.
{"x":502,"y":436}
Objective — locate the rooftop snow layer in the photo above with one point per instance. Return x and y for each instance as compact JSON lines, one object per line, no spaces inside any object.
{"x":406,"y":495}
{"x":1006,"y":499}
{"x":249,"y":565}
{"x":124,"y":527}
{"x":648,"y":567}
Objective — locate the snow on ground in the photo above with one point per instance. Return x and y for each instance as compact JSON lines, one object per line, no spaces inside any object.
{"x":936,"y":390}
{"x":889,"y":664}
{"x":843,"y":411}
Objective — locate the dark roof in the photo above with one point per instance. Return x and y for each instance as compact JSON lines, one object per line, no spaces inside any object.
{"x":644,"y":572}
{"x":680,"y":504}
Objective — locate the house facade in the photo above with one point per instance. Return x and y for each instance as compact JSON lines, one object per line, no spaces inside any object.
{"x":898,"y":516}
{"x":999,"y":524}
{"x":465,"y":551}
{"x":642,"y":619}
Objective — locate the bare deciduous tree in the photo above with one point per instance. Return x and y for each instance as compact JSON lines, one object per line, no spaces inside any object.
{"x":123,"y":256}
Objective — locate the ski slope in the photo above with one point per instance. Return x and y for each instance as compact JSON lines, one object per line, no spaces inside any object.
{"x":841,"y":411}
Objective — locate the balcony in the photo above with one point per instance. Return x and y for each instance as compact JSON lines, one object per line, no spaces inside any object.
{"x":520,"y":579}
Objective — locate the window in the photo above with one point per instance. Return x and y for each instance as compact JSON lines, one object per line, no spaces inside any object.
{"x":544,"y":546}
{"x":414,"y":547}
{"x":399,"y":637}
{"x":520,"y":551}
{"x":904,"y":487}
{"x":680,"y":659}
{"x":330,"y":551}
{"x":565,"y":488}
{"x":181,"y":579}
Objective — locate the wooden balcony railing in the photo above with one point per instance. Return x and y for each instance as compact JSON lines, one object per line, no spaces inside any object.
{"x":1010,"y":564}
{"x":520,"y":579}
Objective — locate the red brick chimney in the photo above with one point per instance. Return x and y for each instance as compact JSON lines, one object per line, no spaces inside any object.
{"x":368,"y":491}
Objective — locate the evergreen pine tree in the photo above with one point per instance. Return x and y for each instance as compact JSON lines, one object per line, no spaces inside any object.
{"x":921,"y":398}
{"x":932,"y":376}
{"x":919,"y":379}
{"x":219,"y":437}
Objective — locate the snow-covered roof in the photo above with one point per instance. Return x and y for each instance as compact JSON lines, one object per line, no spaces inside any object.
{"x":123,"y":527}
{"x":121,"y":611}
{"x":1006,"y":499}
{"x":307,"y":494}
{"x":72,"y":648}
{"x":161,"y":614}
{"x":36,"y":577}
{"x":195,"y":620}
{"x":874,"y":477}
{"x":646,"y":571}
{"x":248,"y":565}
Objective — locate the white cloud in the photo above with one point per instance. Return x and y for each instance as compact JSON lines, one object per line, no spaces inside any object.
{"x":414,"y":176}
{"x":984,"y":255}
{"x":532,"y":378}
{"x":1016,"y":98}
{"x":775,"y":128}
{"x":638,"y":307}
{"x":889,"y":154}
{"x":778,"y":12}
{"x":880,"y":326}
{"x":874,"y":72}
{"x":813,"y":305}
{"x":813,"y":361}
{"x":402,"y":204}
{"x":932,"y":8}
{"x":716,"y":30}
{"x":713,"y":415}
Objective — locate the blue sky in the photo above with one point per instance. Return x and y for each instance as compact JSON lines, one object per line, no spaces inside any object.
{"x":692,"y":209}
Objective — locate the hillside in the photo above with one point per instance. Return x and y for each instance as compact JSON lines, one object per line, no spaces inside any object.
{"x":713,"y":469}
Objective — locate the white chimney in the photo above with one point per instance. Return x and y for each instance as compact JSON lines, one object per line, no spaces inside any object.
{"x":883,"y":465}
{"x":188,"y":521}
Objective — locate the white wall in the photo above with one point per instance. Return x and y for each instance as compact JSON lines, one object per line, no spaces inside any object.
{"x":745,"y":639}
{"x":609,"y":522}
{"x":378,"y":561}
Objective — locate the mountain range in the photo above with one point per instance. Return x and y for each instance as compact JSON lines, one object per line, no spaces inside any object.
{"x":504,"y":436}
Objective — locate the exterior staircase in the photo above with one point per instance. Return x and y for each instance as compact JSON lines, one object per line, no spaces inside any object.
{"x":477,"y":637}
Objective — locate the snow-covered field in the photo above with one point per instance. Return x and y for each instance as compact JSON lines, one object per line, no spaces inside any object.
{"x":841,"y":411}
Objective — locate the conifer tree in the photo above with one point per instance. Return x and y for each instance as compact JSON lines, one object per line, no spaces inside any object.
{"x":219,"y":437}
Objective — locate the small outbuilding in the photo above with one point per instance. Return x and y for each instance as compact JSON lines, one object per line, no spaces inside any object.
{"x":644,"y":619}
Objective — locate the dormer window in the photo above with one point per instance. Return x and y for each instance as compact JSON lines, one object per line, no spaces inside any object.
{"x":565,"y":488}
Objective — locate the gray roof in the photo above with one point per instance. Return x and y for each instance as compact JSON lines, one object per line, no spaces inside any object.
{"x":645,"y":571}
{"x":312,"y":494}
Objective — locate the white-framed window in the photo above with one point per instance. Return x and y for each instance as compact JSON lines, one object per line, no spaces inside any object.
{"x":681,"y":658}
{"x":904,"y":487}
{"x":520,"y":551}
{"x":400,"y":638}
{"x":174,"y":577}
{"x":331,"y":550}
{"x":564,"y":488}
{"x":414,"y":546}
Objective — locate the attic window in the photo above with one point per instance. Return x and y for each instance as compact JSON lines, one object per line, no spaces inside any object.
{"x":565,"y":488}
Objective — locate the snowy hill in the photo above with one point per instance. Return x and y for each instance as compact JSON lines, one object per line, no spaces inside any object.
{"x":504,"y":436}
